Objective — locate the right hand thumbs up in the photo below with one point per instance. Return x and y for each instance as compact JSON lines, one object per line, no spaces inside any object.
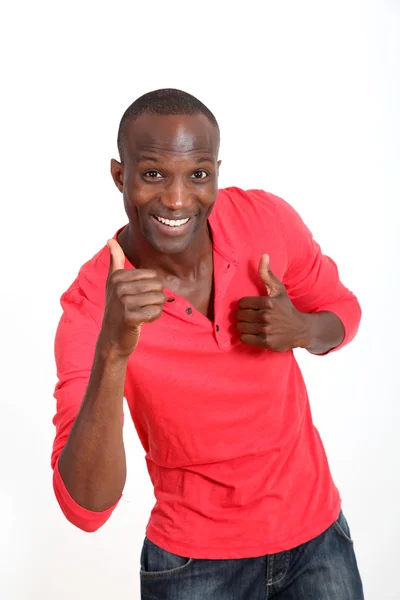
{"x":117,"y":256}
{"x":133,"y":297}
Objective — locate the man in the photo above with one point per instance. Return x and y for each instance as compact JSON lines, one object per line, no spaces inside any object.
{"x":191,"y":312}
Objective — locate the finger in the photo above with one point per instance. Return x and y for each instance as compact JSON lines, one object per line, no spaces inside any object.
{"x":137,"y":301}
{"x":117,"y":256}
{"x":132,"y":275}
{"x":254,"y":328}
{"x":148,"y":314}
{"x":253,"y":340}
{"x":138,"y":286}
{"x":271,"y":282}
{"x":252,"y":316}
{"x":256,"y":302}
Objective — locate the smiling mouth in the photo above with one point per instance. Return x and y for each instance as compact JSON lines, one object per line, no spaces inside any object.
{"x":172,"y":222}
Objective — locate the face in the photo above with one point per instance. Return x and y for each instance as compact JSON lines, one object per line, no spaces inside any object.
{"x":169,"y":178}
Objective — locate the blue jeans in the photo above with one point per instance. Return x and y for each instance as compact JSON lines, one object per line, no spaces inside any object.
{"x":323,"y":569}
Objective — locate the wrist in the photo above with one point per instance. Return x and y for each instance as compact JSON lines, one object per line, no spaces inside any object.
{"x":306,"y":331}
{"x":323,"y":331}
{"x":110,"y":352}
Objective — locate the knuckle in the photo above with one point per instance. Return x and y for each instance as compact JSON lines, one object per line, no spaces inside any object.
{"x":141,"y":286}
{"x":130,"y":317}
{"x":148,"y":285}
{"x":153,"y":313}
{"x":116,"y":276}
{"x":110,"y":282}
{"x":119,"y":290}
{"x":144,"y":277}
{"x":159,"y":286}
{"x":128,"y":304}
{"x":149,"y":272}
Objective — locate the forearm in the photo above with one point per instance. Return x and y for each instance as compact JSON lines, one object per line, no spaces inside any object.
{"x":92,"y":463}
{"x":325,"y":331}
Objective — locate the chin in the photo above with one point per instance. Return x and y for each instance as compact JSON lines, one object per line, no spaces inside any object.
{"x":166,"y":244}
{"x":170,"y":247}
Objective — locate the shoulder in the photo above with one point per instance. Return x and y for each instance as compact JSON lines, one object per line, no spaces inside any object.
{"x":255,"y":208}
{"x":255,"y":221}
{"x":81,"y":318}
{"x":251,"y":212}
{"x":249,"y":205}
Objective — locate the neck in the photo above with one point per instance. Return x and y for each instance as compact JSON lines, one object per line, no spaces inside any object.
{"x":184,"y":265}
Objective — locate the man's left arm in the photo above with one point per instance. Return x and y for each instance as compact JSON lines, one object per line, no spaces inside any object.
{"x":326,"y":332}
{"x":310,"y":308}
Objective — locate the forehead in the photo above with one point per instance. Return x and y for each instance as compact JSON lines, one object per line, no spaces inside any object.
{"x":175,"y":134}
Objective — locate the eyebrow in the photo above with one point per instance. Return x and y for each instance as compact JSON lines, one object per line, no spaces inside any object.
{"x":147,"y":158}
{"x":143,"y":158}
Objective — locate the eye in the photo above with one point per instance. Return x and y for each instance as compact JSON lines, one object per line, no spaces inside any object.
{"x":152,"y":174}
{"x":200,"y":174}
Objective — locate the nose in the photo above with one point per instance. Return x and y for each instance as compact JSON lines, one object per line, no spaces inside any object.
{"x":176,"y":196}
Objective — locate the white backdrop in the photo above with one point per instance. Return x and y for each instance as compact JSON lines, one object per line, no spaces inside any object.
{"x":307,"y":96}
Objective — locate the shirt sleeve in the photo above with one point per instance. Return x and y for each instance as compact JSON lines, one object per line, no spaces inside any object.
{"x":312,"y":278}
{"x":74,"y":349}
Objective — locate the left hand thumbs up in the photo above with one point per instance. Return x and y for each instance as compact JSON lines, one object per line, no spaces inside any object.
{"x":271,"y":321}
{"x":272,"y":283}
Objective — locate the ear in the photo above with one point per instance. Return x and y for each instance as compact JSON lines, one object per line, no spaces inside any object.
{"x":218,"y":166}
{"x":117,"y":173}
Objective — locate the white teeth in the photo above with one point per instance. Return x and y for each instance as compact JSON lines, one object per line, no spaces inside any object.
{"x":172,"y":223}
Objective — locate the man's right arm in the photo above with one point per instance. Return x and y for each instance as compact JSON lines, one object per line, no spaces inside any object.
{"x":88,"y":454}
{"x":89,"y":407}
{"x":92,"y":464}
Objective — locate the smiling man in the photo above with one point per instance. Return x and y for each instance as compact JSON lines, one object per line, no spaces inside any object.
{"x":191,"y":312}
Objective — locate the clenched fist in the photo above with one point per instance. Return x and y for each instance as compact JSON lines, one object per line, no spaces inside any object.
{"x":272,"y":321}
{"x":133,"y":297}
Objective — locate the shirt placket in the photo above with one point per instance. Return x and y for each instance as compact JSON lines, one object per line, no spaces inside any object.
{"x":224,"y":271}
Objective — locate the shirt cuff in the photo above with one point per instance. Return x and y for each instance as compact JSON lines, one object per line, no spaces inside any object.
{"x":84,"y":519}
{"x":349,"y":312}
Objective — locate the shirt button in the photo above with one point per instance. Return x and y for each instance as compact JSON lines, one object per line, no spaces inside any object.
{"x":217,"y":327}
{"x":189,"y":311}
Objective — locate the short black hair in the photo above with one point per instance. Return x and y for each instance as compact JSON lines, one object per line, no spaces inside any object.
{"x":167,"y":101}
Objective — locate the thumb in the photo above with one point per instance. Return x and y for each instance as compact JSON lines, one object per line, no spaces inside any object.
{"x":271,"y":282}
{"x":117,"y":256}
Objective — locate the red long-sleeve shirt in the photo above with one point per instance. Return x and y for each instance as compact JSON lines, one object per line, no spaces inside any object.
{"x":237,"y":465}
